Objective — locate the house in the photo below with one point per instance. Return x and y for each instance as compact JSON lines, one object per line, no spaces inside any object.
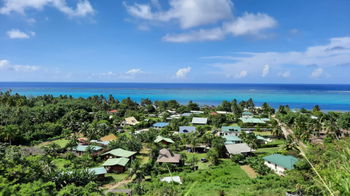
{"x":141,"y":131}
{"x":223,"y":112}
{"x":174,"y":116}
{"x":187,"y":129}
{"x":112,"y":111}
{"x":186,"y":114}
{"x":262,"y":139}
{"x":116,"y":165}
{"x":130,"y":121}
{"x":99,"y":142}
{"x":108,"y":138}
{"x":85,"y":148}
{"x":163,"y":140}
{"x":165,"y":156}
{"x":247,"y":114}
{"x":241,"y":148}
{"x":118,"y":153}
{"x":83,"y":140}
{"x":160,"y":124}
{"x":170,"y":179}
{"x":280,"y":163}
{"x":230,"y":130}
{"x":196,"y":112}
{"x":232,"y":139}
{"x":251,"y":120}
{"x":199,"y":121}
{"x":98,"y":171}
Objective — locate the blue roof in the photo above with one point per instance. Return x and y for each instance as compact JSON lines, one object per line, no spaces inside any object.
{"x":186,"y":114}
{"x":187,"y":129}
{"x":98,"y":170}
{"x":160,"y":124}
{"x":84,"y":148}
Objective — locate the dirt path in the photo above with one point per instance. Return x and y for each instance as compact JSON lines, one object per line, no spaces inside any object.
{"x":110,"y":187}
{"x":250,"y":172}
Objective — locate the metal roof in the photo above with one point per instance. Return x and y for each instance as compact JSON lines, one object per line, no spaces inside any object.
{"x":120,"y":153}
{"x":187,"y":129}
{"x":285,"y":161}
{"x":196,"y":120}
{"x":116,"y":161}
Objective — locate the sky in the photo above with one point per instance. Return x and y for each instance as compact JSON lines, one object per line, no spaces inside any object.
{"x":175,"y":41}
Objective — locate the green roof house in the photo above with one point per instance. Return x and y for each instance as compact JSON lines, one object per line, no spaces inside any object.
{"x":116,"y":165}
{"x":280,"y":163}
{"x":232,"y":139}
{"x":119,"y":153}
{"x":163,"y":140}
{"x":84,"y":148}
{"x":98,"y":171}
{"x":230,"y":130}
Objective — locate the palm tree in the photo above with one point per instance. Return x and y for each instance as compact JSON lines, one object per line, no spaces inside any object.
{"x":9,"y":132}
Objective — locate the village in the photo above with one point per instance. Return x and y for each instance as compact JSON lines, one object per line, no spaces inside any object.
{"x":178,"y":143}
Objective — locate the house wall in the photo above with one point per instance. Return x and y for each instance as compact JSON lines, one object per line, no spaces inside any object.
{"x":277,"y":169}
{"x":115,"y":169}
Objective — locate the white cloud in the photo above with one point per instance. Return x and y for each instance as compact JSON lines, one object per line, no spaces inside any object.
{"x":182,"y":73}
{"x":266,"y":70}
{"x":284,"y":74}
{"x":248,"y":24}
{"x":241,"y":74}
{"x":334,"y":53}
{"x":6,"y":65}
{"x":317,"y":73}
{"x":83,"y":7}
{"x":201,"y":35}
{"x":17,"y":34}
{"x":188,"y":13}
{"x":134,"y":71}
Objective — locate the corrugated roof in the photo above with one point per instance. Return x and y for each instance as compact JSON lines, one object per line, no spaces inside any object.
{"x":238,"y":148}
{"x":84,"y":148}
{"x":196,"y":120}
{"x":161,"y":138}
{"x":108,"y":138}
{"x":116,"y":161}
{"x":252,"y":120}
{"x":98,"y":170}
{"x":165,"y":156}
{"x":231,"y":129}
{"x":187,"y":129}
{"x":285,"y":161}
{"x":171,"y":179}
{"x":231,"y":139}
{"x":160,"y":124}
{"x":120,"y":153}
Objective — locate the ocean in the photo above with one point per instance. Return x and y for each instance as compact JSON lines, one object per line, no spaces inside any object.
{"x":328,"y":96}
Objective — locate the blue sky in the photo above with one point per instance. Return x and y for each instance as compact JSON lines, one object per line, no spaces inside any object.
{"x":209,"y":41}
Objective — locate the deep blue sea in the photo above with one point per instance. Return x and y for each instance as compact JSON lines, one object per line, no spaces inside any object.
{"x":329,"y":97}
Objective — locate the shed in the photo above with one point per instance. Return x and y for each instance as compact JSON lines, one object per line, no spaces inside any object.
{"x":199,"y":121}
{"x":187,"y":129}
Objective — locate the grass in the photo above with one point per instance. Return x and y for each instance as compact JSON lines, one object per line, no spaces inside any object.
{"x":271,"y":150}
{"x":60,"y":163}
{"x":117,"y":177}
{"x":263,"y":133}
{"x":199,"y":157}
{"x":61,"y":142}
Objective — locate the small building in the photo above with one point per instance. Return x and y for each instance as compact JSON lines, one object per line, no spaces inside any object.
{"x":165,"y":156}
{"x":130,"y":121}
{"x":85,"y":148}
{"x":247,"y":114}
{"x":251,"y":120}
{"x":187,"y":129}
{"x":160,"y":125}
{"x":99,"y":142}
{"x":199,"y":121}
{"x":223,"y":112}
{"x":108,"y":138}
{"x":98,"y":171}
{"x":280,"y":163}
{"x":170,"y":179}
{"x":241,"y":148}
{"x":196,"y":112}
{"x":163,"y":140}
{"x":113,"y":111}
{"x":116,"y":165}
{"x":119,"y":153}
{"x":263,"y":140}
{"x":232,"y":139}
{"x":230,"y":130}
{"x":186,"y":114}
{"x":141,"y":131}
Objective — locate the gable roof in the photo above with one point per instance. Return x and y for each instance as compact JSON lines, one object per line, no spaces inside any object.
{"x":98,"y":170}
{"x":120,"y":153}
{"x":231,"y":129}
{"x":285,"y":161}
{"x":187,"y":129}
{"x":160,"y":124}
{"x":231,"y":139}
{"x":238,"y":148}
{"x":108,"y":138}
{"x":116,"y":161}
{"x":252,"y":120}
{"x":196,"y":120}
{"x":169,"y":179}
{"x":165,"y":156}
{"x":131,"y":121}
{"x":161,"y":138}
{"x":84,"y":148}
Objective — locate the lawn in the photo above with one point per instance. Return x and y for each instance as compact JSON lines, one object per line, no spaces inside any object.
{"x":271,"y":150}
{"x":61,"y":142}
{"x":199,"y":157}
{"x":263,"y":133}
{"x":60,"y":163}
